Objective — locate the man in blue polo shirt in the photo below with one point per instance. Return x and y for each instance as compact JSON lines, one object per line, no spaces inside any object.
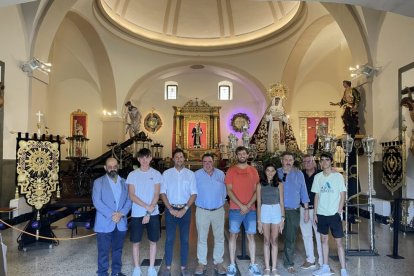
{"x":210,"y":211}
{"x":294,"y":192}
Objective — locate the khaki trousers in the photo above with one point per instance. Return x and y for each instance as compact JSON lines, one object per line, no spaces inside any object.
{"x":204,"y":219}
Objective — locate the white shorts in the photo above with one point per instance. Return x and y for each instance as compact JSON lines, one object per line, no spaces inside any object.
{"x":271,"y":214}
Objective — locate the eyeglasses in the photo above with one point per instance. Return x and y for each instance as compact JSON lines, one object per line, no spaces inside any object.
{"x":284,"y":177}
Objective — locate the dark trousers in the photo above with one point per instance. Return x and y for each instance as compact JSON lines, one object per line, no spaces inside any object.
{"x":110,"y":241}
{"x":171,"y":224}
{"x":289,"y":232}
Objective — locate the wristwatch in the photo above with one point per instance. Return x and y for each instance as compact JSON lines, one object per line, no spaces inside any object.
{"x":186,"y":207}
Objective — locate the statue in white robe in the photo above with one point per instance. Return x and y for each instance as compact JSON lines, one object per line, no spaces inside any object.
{"x":276,"y":118}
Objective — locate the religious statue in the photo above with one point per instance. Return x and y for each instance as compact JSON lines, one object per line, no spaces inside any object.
{"x":132,"y":119}
{"x":246,"y":136}
{"x":78,"y":128}
{"x":276,"y":118}
{"x":274,"y":132}
{"x":408,"y":101}
{"x":350,"y":102}
{"x":196,"y":134}
{"x":232,"y":142}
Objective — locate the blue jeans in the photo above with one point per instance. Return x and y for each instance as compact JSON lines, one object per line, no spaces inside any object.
{"x":171,"y":224}
{"x":248,"y":220}
{"x":115,"y":241}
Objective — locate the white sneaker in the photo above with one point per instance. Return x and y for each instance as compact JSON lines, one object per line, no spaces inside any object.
{"x":325,"y":270}
{"x":137,"y":271}
{"x":151,"y":271}
{"x":254,"y":270}
{"x":343,"y":272}
{"x":231,"y":270}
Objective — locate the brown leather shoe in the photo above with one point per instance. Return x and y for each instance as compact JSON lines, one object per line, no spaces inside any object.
{"x":307,"y":265}
{"x":221,"y":270}
{"x":200,"y":269}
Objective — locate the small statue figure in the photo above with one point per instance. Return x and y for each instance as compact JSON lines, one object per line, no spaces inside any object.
{"x":350,"y":102}
{"x":78,"y":128}
{"x":246,"y":137}
{"x":276,"y":118}
{"x":196,"y":133}
{"x":132,"y":120}
{"x":233,"y":142}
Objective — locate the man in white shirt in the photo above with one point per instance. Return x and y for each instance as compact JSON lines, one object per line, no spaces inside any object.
{"x":144,"y":190}
{"x":178,"y":192}
{"x":329,"y":189}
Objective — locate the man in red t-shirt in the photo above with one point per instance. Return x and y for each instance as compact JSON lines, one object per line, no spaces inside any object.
{"x":241,"y":181}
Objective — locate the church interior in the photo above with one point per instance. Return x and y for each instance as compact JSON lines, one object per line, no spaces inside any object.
{"x":84,"y":80}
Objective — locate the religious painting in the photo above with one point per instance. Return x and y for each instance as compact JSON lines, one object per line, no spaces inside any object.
{"x":313,"y":124}
{"x":152,"y":122}
{"x":310,"y":121}
{"x":79,"y":123}
{"x":197,"y":135}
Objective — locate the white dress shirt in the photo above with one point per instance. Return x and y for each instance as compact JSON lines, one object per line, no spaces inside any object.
{"x":179,"y":186}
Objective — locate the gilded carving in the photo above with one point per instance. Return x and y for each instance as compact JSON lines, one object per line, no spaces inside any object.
{"x":37,"y":170}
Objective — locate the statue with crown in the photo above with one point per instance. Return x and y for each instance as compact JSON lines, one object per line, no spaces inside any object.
{"x":274,"y":133}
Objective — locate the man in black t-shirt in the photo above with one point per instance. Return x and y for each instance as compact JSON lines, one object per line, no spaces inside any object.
{"x":309,"y":173}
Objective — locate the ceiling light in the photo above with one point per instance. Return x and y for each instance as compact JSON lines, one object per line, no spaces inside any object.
{"x":34,"y":64}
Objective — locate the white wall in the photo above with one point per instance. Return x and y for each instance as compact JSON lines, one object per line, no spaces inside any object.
{"x":16,"y":102}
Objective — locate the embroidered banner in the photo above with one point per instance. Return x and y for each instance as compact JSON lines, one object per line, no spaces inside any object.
{"x":392,"y":165}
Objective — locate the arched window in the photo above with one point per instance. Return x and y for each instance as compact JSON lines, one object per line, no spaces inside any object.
{"x":171,"y":90}
{"x":225,"y":91}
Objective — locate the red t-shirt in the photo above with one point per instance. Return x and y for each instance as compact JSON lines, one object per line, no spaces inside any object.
{"x":243,"y":183}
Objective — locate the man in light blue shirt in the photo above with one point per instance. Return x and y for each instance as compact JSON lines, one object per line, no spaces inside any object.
{"x":295,"y":192}
{"x":210,"y":211}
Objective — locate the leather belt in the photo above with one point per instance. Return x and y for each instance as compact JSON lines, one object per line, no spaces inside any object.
{"x":289,"y":209}
{"x":310,"y":207}
{"x":178,"y":206}
{"x":210,"y":209}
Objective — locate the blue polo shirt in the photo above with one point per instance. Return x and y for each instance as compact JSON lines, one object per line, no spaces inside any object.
{"x":211,"y":189}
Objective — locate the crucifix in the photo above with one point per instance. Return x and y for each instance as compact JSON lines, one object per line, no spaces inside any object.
{"x":39,"y":117}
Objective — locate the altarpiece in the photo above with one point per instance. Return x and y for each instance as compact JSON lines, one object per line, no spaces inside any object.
{"x":196,"y":129}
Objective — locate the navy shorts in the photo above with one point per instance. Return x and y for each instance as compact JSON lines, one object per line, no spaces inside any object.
{"x":137,"y":229}
{"x":330,"y":222}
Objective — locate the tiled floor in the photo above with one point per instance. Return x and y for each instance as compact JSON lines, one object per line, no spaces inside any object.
{"x":78,"y":257}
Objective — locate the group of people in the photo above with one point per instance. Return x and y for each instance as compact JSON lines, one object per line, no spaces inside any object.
{"x":278,"y":201}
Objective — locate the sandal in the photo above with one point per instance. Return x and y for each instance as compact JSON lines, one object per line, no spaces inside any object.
{"x":274,"y":272}
{"x":266,"y":272}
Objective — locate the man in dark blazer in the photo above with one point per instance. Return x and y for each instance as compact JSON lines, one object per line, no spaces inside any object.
{"x":110,"y":198}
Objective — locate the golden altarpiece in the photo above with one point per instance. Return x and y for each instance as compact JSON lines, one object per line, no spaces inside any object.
{"x":197,"y":129}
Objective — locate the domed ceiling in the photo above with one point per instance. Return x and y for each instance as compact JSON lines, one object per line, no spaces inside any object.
{"x":201,"y":24}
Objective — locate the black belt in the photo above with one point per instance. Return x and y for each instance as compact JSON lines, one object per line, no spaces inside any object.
{"x":310,"y":207}
{"x":210,"y":209}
